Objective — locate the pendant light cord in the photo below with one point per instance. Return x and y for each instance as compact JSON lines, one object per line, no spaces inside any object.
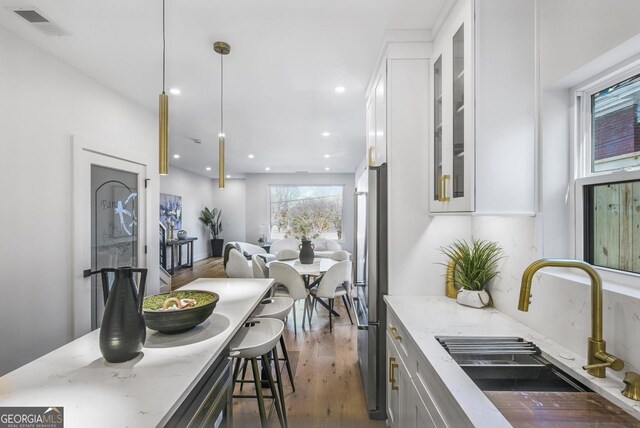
{"x":163,"y":48}
{"x":222,"y":94}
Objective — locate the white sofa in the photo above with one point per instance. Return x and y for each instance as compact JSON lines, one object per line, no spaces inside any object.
{"x":247,"y":250}
{"x":323,"y":248}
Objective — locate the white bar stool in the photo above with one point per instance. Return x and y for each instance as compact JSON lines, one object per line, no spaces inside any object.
{"x":278,"y":308}
{"x":257,"y":339}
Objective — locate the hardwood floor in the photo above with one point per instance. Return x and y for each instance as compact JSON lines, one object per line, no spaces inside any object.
{"x":207,"y":268}
{"x":325,"y":366}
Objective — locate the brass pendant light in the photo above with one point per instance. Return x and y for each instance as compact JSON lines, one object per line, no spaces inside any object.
{"x":163,"y":164}
{"x":223,"y":49}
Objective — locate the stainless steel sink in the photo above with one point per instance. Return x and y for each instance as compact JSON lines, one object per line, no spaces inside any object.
{"x":507,"y":364}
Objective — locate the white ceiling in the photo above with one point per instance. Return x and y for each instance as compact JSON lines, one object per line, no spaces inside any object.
{"x":286,"y":58}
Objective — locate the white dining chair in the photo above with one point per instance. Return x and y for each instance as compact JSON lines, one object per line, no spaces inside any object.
{"x":334,"y":283}
{"x":260,"y":269}
{"x":237,"y":265}
{"x":286,"y":275}
{"x":287,"y":254}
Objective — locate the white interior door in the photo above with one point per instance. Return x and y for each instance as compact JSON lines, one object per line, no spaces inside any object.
{"x":109,"y":227}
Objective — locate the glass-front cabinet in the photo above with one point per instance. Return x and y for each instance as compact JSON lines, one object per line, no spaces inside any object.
{"x":452,"y":137}
{"x":437,"y":130}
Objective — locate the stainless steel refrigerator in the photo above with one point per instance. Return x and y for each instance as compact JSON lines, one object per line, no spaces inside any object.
{"x":370,"y":255}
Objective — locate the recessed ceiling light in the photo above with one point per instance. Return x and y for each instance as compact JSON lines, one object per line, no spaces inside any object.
{"x":267,"y":168}
{"x":326,"y":134}
{"x":228,"y":176}
{"x":251,"y":156}
{"x":327,"y":156}
{"x":327,"y":169}
{"x":208,"y":168}
{"x":176,"y":156}
{"x":174,"y":91}
{"x":339,"y":89}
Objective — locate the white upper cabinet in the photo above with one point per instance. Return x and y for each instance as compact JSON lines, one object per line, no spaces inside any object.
{"x":483,"y":103}
{"x":377,"y":119}
{"x":452,"y":121}
{"x":381,"y":118}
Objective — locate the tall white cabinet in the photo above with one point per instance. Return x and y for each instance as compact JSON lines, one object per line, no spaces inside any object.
{"x":398,"y":129}
{"x":483,"y":101}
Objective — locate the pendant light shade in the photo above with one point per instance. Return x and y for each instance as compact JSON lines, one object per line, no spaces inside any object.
{"x":223,"y":49}
{"x":163,"y":162}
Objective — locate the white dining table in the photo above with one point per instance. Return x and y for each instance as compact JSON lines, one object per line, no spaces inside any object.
{"x":318,"y":267}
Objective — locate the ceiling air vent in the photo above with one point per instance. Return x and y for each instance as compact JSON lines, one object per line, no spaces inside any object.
{"x":31,"y":16}
{"x":34,"y":17}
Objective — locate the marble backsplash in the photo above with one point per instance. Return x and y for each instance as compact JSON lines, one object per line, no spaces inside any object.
{"x":560,"y":304}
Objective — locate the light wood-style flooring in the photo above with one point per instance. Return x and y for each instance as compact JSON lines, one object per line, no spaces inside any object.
{"x":207,"y":268}
{"x":325,"y":365}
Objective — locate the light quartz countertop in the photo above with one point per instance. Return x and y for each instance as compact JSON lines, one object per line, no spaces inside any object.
{"x":145,"y":391}
{"x":425,"y":317}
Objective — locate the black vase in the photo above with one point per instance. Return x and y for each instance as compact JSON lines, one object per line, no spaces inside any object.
{"x":123,"y":331}
{"x":306,"y":252}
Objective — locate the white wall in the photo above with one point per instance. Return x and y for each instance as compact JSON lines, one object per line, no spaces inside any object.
{"x":196,"y":192}
{"x":257,"y":188}
{"x":44,"y":101}
{"x":576,"y":39}
{"x":232,"y":200}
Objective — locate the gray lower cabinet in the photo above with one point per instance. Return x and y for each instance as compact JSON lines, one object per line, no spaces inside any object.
{"x":399,"y":408}
{"x":209,"y":403}
{"x":416,"y":397}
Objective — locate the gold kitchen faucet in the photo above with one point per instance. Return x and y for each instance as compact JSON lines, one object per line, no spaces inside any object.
{"x":597,"y":357}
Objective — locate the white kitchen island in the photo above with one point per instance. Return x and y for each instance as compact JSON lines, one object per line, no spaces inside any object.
{"x":427,"y":378}
{"x":143,"y":392}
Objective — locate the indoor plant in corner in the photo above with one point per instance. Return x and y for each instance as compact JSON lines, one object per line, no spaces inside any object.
{"x":211,"y":219}
{"x":473,"y":267}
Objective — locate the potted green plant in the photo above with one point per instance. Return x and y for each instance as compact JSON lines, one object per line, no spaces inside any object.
{"x":474,"y":266}
{"x":211,"y":219}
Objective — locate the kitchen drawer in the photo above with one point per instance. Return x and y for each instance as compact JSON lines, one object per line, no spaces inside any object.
{"x":432,"y":389}
{"x":399,"y":336}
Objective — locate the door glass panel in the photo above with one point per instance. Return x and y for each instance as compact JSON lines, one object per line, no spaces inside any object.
{"x":114,"y":228}
{"x":437,"y":129}
{"x":458,"y":114}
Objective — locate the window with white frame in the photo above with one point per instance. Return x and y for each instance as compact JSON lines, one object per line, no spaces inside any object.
{"x":608,"y":171}
{"x":305,"y":211}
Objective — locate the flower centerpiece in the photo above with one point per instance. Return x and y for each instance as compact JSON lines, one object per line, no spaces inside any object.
{"x":303,"y":226}
{"x":472,"y":267}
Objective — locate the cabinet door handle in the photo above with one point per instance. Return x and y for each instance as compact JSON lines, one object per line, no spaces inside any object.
{"x":372,"y":155}
{"x":392,"y":378}
{"x":394,"y":331}
{"x":443,"y":188}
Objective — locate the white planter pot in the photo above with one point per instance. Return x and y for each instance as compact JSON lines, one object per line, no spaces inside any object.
{"x":475,"y":299}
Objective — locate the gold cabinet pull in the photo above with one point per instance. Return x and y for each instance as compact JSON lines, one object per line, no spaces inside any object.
{"x":443,"y":188}
{"x":372,"y":155}
{"x":394,"y":331}
{"x":392,"y":378}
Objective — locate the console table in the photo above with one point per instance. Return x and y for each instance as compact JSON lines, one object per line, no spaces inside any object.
{"x":179,"y":243}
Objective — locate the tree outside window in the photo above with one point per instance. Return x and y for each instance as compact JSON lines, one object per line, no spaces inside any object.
{"x":306,"y":212}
